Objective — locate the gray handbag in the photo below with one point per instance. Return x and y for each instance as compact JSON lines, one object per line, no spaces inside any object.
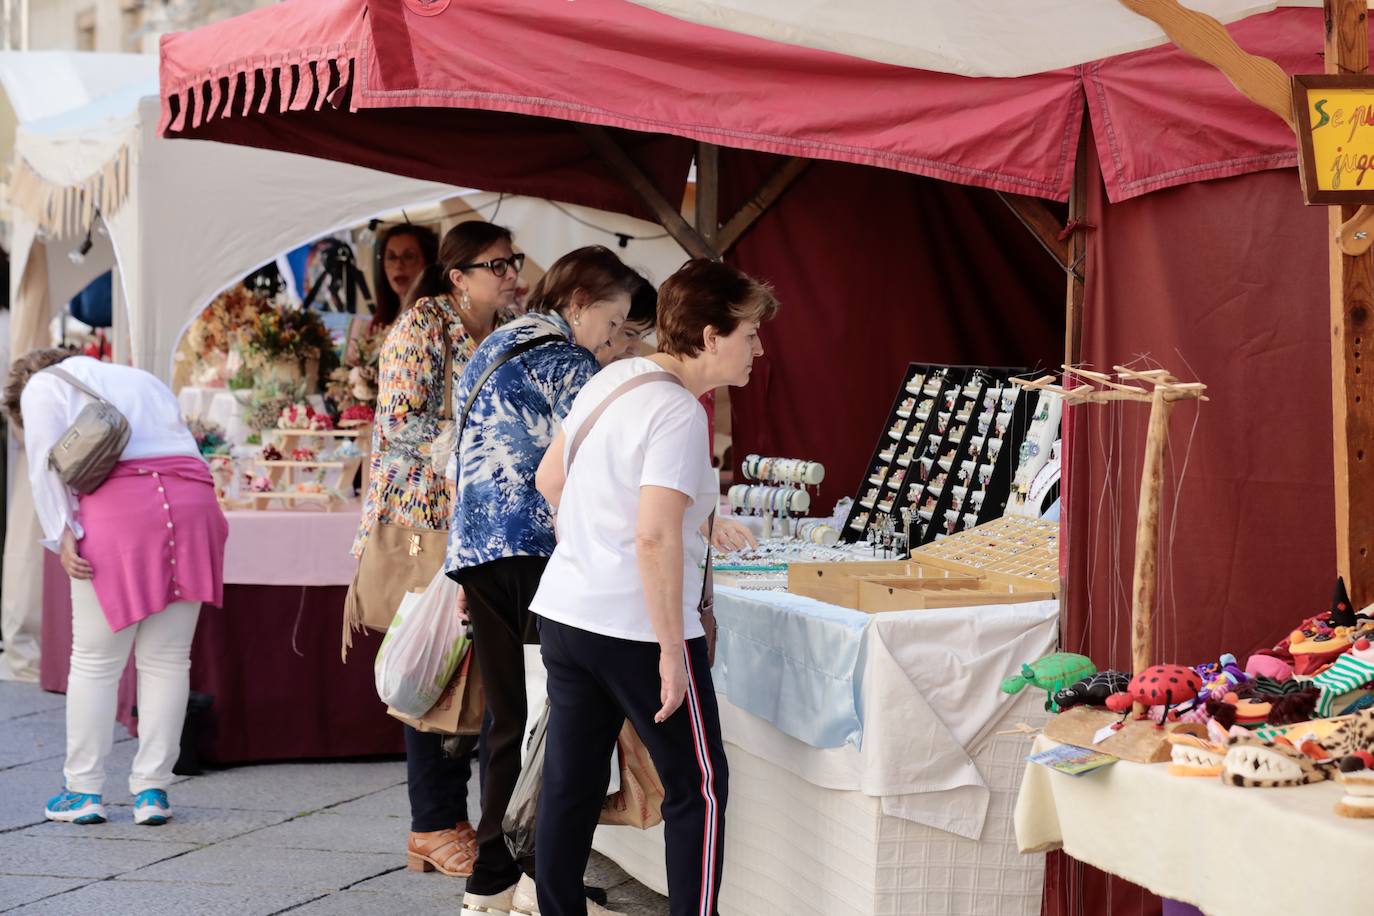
{"x":91,"y":446}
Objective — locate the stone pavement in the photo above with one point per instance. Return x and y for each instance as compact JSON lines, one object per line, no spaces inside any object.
{"x":308,"y":838}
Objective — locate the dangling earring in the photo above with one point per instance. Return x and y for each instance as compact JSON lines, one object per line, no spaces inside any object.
{"x":577,"y":321}
{"x":464,"y":301}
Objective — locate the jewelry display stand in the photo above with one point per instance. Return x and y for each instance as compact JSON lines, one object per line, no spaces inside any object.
{"x":947,"y":453}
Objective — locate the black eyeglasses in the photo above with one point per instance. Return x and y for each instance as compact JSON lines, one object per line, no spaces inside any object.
{"x":497,"y":266}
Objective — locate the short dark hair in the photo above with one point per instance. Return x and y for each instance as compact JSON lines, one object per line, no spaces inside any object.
{"x":23,"y":369}
{"x":703,"y":294}
{"x":643,"y":304}
{"x":387,"y":301}
{"x":461,"y":245}
{"x":595,"y":270}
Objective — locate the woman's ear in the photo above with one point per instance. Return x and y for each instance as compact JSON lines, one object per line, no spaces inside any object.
{"x":456,"y":279}
{"x":710,"y":338}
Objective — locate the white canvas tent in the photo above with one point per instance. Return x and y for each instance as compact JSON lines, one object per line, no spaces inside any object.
{"x":179,"y":221}
{"x":970,"y":37}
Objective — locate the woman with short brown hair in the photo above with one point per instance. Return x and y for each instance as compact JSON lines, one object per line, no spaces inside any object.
{"x":617,"y":606}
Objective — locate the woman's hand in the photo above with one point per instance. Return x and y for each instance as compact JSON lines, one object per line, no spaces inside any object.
{"x":462,"y":606}
{"x":731,"y":535}
{"x":72,"y":562}
{"x":672,"y":679}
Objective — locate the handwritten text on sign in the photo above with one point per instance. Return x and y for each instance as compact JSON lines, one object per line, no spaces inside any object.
{"x":1336,"y":137}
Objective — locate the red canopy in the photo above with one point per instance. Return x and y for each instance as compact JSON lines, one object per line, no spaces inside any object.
{"x":613,"y":63}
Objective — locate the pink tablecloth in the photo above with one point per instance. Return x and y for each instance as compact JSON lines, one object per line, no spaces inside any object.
{"x":291,"y":547}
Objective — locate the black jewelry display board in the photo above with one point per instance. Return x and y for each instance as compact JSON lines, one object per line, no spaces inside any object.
{"x":948,"y":451}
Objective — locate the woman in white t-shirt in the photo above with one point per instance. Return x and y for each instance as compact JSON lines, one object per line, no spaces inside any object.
{"x":617,"y":603}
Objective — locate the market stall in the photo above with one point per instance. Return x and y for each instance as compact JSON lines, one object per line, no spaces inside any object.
{"x":1155,"y":195}
{"x":861,"y":781}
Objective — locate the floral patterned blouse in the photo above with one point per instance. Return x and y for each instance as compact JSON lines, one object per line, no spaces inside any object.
{"x":404,"y":488}
{"x":498,"y":512}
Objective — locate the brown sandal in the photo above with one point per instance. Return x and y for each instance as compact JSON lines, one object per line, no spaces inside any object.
{"x":451,"y":852}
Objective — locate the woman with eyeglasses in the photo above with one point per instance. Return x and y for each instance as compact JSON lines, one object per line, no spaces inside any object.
{"x":451,"y":303}
{"x":403,"y":252}
{"x":521,"y":382}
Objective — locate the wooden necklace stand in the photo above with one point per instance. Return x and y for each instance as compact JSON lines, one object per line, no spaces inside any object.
{"x":1138,"y":739}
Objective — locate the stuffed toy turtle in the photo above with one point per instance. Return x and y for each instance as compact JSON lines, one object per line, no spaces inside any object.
{"x":1092,"y":690}
{"x":1051,"y":674}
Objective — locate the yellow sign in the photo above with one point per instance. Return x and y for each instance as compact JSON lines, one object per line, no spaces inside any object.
{"x":1335,"y":116}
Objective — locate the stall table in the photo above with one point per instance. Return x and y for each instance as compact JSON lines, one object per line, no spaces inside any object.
{"x":1230,"y":851}
{"x":873,"y":761}
{"x":270,"y":656}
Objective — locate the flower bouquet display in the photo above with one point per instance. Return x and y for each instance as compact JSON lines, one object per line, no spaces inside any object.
{"x":288,"y":345}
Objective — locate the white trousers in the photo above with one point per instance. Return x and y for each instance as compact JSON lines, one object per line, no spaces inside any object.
{"x":162,"y":645}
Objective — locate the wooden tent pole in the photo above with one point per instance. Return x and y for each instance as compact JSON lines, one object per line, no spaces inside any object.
{"x":1352,"y":330}
{"x":1147,"y":536}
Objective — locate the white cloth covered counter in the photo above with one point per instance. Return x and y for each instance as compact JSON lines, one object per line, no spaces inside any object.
{"x":971,"y":37}
{"x":1185,"y":838}
{"x":911,"y":816}
{"x":923,"y":688}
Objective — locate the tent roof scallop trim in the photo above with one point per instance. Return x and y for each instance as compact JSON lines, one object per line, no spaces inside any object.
{"x":63,"y":210}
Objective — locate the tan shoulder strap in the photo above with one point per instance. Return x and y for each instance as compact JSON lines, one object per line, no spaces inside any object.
{"x":72,"y":380}
{"x":623,"y":389}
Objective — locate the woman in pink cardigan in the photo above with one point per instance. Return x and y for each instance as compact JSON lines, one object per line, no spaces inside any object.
{"x":143,"y":551}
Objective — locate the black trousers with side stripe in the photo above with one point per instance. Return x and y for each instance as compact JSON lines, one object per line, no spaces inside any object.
{"x":595,"y":683}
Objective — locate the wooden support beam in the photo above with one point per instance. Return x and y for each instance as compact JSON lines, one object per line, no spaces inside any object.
{"x":1258,"y":78}
{"x":1076,"y":252}
{"x":1352,"y":332}
{"x":668,"y":215}
{"x":765,"y":197}
{"x":1032,"y":213}
{"x":708,"y":192}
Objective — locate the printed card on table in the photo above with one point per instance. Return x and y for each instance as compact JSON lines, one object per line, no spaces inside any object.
{"x":1068,"y":758}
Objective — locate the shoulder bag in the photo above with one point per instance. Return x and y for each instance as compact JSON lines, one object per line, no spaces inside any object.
{"x":397,"y":558}
{"x":90,"y":448}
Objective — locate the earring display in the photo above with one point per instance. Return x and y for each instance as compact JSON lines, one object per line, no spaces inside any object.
{"x":961,"y":428}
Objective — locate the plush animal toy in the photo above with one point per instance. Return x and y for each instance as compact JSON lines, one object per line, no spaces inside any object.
{"x":1051,"y":674}
{"x":1347,"y":673}
{"x":1159,"y":685}
{"x":1092,"y":691}
{"x":1220,"y":677}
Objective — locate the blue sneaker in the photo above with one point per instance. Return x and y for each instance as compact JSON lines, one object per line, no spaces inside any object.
{"x":151,"y":808}
{"x":75,"y":808}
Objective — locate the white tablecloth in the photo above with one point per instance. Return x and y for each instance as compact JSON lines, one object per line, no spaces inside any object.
{"x":924,"y":686}
{"x":1228,"y":850}
{"x":291,"y":546}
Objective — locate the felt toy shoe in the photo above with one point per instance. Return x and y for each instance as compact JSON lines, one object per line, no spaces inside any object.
{"x":526,"y":902}
{"x":489,"y":904}
{"x":75,"y":808}
{"x":151,"y":808}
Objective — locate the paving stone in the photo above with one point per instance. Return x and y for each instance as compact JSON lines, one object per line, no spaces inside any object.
{"x":154,"y":899}
{"x":80,"y":857}
{"x":38,"y":736}
{"x":200,"y":826}
{"x":361,"y":903}
{"x":421,"y":885}
{"x":15,"y":890}
{"x":261,"y":866}
{"x":634,"y":899}
{"x":23,"y":795}
{"x":25,"y":699}
{"x":339,"y":832}
{"x":392,"y":802}
{"x":295,"y":788}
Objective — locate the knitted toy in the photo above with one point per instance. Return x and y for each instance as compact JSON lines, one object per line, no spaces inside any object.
{"x":1159,"y":685}
{"x":1051,"y":674}
{"x":1092,"y":690}
{"x":1347,"y":673}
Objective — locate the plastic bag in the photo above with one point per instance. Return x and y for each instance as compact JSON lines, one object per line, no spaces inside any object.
{"x":421,"y":649}
{"x":518,"y":824}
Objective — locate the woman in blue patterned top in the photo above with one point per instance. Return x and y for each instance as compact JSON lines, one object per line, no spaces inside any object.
{"x":502,"y":532}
